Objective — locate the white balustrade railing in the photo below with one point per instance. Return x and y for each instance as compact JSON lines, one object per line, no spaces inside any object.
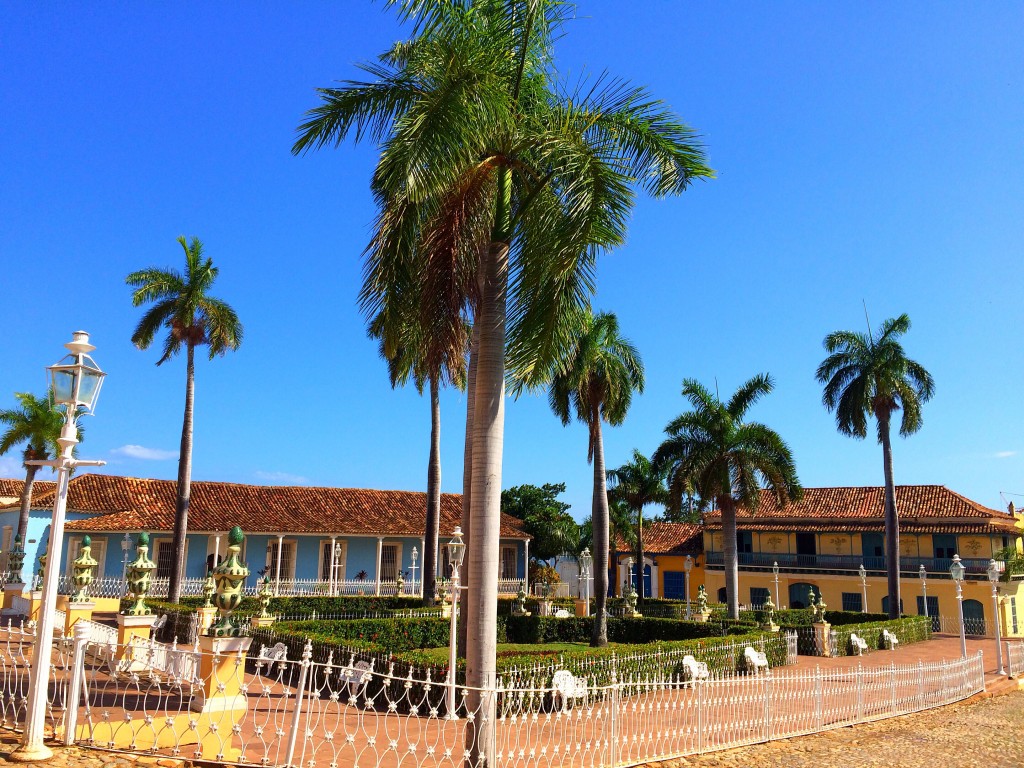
{"x":299,"y":712}
{"x":20,"y":605}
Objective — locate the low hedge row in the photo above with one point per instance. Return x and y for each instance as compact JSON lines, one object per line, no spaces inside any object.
{"x":911,"y":629}
{"x":542,"y":629}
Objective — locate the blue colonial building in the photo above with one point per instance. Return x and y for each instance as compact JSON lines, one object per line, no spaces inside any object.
{"x":306,"y":540}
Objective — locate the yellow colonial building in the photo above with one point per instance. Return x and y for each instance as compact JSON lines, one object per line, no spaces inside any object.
{"x":666,"y":546}
{"x":821,"y":543}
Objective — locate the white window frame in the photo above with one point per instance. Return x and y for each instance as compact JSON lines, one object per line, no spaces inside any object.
{"x":515,"y":560}
{"x":321,"y":564}
{"x":99,"y":554}
{"x":286,"y":544}
{"x":157,"y":544}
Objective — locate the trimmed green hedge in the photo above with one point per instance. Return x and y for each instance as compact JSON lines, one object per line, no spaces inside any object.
{"x":911,"y":629}
{"x":544,"y":629}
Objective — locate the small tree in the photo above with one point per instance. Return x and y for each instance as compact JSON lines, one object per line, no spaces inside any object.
{"x":545,"y":518}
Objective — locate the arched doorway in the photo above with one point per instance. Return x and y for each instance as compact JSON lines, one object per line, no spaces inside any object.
{"x":723,"y":597}
{"x":800,"y":592}
{"x":974,"y":617}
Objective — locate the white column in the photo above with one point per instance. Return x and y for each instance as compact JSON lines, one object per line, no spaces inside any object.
{"x":277,"y":570}
{"x":423,"y":550}
{"x":216,"y":549}
{"x":654,"y":580}
{"x":526,"y":568}
{"x":331,"y":574}
{"x":380,"y":547}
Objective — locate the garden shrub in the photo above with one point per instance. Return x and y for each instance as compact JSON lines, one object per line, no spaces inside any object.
{"x":910,"y":629}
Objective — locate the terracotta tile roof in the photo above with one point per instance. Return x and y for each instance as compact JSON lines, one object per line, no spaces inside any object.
{"x":132,"y":504}
{"x":1005,"y":528}
{"x":10,"y":489}
{"x":669,"y":538}
{"x":927,"y":504}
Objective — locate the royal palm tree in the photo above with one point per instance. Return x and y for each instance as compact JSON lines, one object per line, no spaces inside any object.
{"x":868,"y":375}
{"x":595,"y":382}
{"x":728,"y":460}
{"x":522,"y":181}
{"x":407,"y":354}
{"x":37,"y":425}
{"x":639,"y":483}
{"x":192,"y":318}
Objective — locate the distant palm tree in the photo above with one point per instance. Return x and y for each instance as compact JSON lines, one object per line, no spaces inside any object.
{"x":727,"y":459}
{"x":409,"y":356}
{"x":596,"y":382}
{"x":867,"y":375}
{"x":182,"y":305}
{"x":37,"y":424}
{"x":639,"y":483}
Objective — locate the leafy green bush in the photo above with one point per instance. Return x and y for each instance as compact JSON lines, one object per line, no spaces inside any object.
{"x":543,"y":629}
{"x":911,"y":629}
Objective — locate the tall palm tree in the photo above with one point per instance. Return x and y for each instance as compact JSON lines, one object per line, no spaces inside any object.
{"x":595,"y":382}
{"x":192,"y":317}
{"x":407,"y":352}
{"x":523,"y":182}
{"x":37,"y":425}
{"x":639,"y":483}
{"x":729,"y":460}
{"x":868,"y":375}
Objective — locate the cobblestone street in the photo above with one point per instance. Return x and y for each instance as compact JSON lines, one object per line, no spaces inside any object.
{"x":982,"y":732}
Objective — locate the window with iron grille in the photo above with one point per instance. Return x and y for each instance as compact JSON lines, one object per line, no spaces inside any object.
{"x":758,"y":596}
{"x":508,"y":562}
{"x":1013,"y":614}
{"x":853,"y":601}
{"x":287,"y":560}
{"x":389,"y":562}
{"x":165,"y":554}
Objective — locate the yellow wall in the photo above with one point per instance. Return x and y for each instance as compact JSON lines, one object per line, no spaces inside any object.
{"x":666,"y":563}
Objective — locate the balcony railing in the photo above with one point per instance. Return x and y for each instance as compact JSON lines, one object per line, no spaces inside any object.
{"x":787,"y":562}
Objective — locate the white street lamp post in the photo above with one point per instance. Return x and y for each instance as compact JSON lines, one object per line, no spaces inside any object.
{"x":687,"y":567}
{"x":863,"y":588}
{"x":413,"y":557}
{"x":586,"y":561}
{"x":924,"y":588}
{"x":75,"y":383}
{"x":775,"y":572}
{"x":456,"y":551}
{"x":993,"y":577}
{"x":336,"y":568}
{"x":956,"y":570}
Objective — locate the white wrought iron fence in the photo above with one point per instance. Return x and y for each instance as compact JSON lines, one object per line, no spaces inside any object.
{"x":297,"y":712}
{"x":16,"y":649}
{"x":1015,"y":658}
{"x":973,"y":626}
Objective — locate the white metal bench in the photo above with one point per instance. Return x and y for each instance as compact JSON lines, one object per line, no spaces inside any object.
{"x":695,"y":670}
{"x":567,"y":686}
{"x":275,"y":653}
{"x":889,"y":640}
{"x":858,"y":644}
{"x":561,"y":613}
{"x":356,"y":677}
{"x":756,"y":660}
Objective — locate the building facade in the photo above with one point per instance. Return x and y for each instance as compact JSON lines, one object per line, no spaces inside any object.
{"x":304,"y":539}
{"x":820,"y":543}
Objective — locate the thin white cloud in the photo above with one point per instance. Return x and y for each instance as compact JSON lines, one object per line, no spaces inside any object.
{"x":11,"y":467}
{"x":283,"y":478}
{"x":1004,"y":454}
{"x":147,"y":454}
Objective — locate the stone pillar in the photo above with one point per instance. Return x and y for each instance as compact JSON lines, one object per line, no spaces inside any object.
{"x":221,"y":701}
{"x":76,"y":611}
{"x":134,"y":629}
{"x":380,"y":547}
{"x":15,"y":589}
{"x":823,"y":638}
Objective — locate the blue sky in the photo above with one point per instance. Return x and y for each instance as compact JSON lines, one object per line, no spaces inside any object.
{"x":866,"y":152}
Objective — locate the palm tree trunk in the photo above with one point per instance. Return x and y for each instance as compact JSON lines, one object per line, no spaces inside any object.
{"x":732,"y":567}
{"x":467,"y":475}
{"x":26,"y":501}
{"x":892,"y":522}
{"x":601,"y":525}
{"x":430,"y":550}
{"x":640,"y":559}
{"x":485,"y":502}
{"x":184,"y":484}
